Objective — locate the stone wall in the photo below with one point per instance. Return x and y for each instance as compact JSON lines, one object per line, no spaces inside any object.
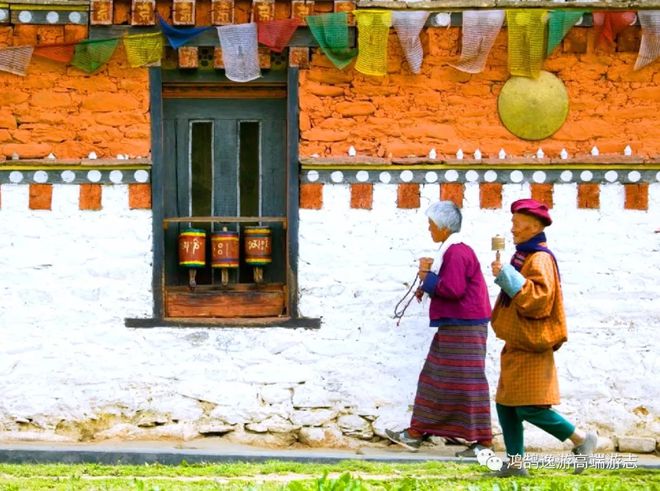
{"x":62,"y":110}
{"x":403,"y":115}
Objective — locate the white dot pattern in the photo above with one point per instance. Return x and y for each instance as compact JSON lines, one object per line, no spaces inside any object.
{"x":490,"y":176}
{"x":586,"y":175}
{"x":406,"y":176}
{"x":451,"y":175}
{"x":15,"y":176}
{"x":516,"y":176}
{"x":385,"y":177}
{"x":431,"y":176}
{"x":566,"y":176}
{"x":611,"y":176}
{"x":94,"y":176}
{"x":538,"y":176}
{"x":75,"y":17}
{"x":52,"y":17}
{"x":312,"y":176}
{"x":471,"y":175}
{"x":337,"y":176}
{"x":68,"y":176}
{"x":25,"y":16}
{"x":362,"y":176}
{"x":141,"y":175}
{"x":634,"y":176}
{"x":40,"y":176}
{"x":116,"y":176}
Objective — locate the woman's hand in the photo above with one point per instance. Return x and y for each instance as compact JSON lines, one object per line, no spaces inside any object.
{"x":496,"y":267}
{"x":419,"y":293}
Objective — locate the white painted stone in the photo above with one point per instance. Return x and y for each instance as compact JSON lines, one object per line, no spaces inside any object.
{"x":353,"y":425}
{"x":312,"y":417}
{"x":636,"y":444}
{"x":273,"y":394}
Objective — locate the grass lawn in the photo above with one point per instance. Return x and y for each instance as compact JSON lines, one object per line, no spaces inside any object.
{"x":292,"y":476}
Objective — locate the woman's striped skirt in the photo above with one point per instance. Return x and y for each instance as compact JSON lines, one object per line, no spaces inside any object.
{"x":452,"y":393}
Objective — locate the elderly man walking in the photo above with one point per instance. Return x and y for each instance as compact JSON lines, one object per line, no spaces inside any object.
{"x":529,"y":317}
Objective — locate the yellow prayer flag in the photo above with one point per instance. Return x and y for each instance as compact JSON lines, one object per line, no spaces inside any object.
{"x":373,"y":33}
{"x":143,"y":49}
{"x":526,"y":41}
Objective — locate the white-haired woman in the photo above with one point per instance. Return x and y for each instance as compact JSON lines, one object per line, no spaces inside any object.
{"x":452,"y":399}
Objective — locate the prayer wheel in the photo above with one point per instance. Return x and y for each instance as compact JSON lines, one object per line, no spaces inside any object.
{"x":192,"y":252}
{"x":258,"y":246}
{"x":224,"y":252}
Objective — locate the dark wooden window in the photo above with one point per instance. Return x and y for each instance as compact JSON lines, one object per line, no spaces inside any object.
{"x":225,"y":168}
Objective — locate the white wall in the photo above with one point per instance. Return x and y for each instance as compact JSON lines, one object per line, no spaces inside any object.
{"x":69,"y":368}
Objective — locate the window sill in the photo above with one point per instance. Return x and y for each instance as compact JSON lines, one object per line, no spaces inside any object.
{"x":285,"y":322}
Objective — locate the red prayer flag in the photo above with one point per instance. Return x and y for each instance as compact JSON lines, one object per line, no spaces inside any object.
{"x":58,"y":52}
{"x":276,"y":34}
{"x":612,"y":23}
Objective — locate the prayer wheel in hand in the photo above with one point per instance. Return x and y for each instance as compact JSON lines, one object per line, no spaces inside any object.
{"x":258,"y":248}
{"x":192,"y":252}
{"x":224,"y":252}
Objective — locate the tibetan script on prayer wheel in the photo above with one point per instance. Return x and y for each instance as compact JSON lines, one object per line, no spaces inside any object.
{"x":192,"y":248}
{"x":225,"y":249}
{"x":100,"y":12}
{"x":263,"y":10}
{"x":222,"y":12}
{"x":348,"y":7}
{"x":183,"y":12}
{"x":257,"y":246}
{"x":300,"y":9}
{"x":142,"y":12}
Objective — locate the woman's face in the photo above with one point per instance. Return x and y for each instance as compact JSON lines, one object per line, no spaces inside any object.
{"x":438,"y":234}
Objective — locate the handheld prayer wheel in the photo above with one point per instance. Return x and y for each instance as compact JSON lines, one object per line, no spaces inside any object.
{"x":258,"y":246}
{"x":425,"y":263}
{"x":497,"y":244}
{"x":192,"y":252}
{"x":224,"y":252}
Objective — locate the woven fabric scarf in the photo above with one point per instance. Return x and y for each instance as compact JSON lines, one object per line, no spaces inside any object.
{"x":526,"y":41}
{"x":331,"y":32}
{"x":373,"y":33}
{"x":560,"y":22}
{"x":57,"y":52}
{"x":16,"y":59}
{"x":178,"y":37}
{"x":240,"y":51}
{"x":649,"y":49}
{"x":90,"y":55}
{"x":144,"y":49}
{"x":480,"y":29}
{"x":523,"y":250}
{"x":276,"y":34}
{"x":610,"y":24}
{"x":408,"y":25}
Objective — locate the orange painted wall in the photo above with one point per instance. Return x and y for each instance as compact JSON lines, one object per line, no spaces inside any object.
{"x":402,"y":114}
{"x":62,"y":110}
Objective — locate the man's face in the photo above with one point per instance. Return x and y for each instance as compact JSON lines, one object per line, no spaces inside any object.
{"x":524,"y":227}
{"x":438,"y":234}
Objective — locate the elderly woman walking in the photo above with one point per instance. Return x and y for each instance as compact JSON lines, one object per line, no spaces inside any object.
{"x":452,"y":397}
{"x":529,"y":316}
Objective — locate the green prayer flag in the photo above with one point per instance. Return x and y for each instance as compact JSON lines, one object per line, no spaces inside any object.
{"x":331,"y":32}
{"x":559,"y":24}
{"x":91,"y":54}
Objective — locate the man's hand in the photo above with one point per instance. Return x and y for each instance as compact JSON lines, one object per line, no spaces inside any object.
{"x":419,"y":293}
{"x":496,"y":267}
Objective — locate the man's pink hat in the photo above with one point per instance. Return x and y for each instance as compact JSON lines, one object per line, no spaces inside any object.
{"x":534,"y":208}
